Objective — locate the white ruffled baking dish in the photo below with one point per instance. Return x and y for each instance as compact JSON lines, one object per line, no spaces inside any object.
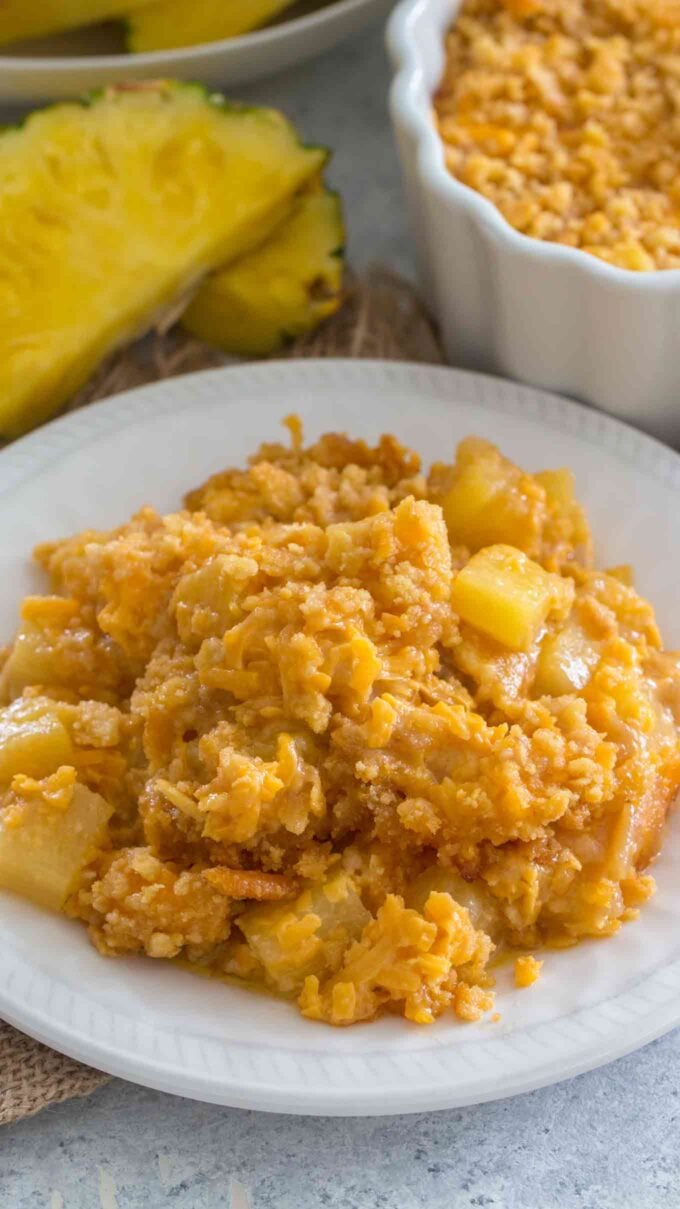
{"x":539,"y":312}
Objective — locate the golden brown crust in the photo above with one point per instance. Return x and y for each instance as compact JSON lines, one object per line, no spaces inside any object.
{"x":563,"y":114}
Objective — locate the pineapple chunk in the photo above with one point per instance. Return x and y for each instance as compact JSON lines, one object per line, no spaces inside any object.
{"x":490,"y":500}
{"x":111,"y":209}
{"x":508,"y":596}
{"x":487,"y":499}
{"x":33,"y":18}
{"x":307,"y":936}
{"x":30,"y":662}
{"x":567,"y":523}
{"x":59,"y":646}
{"x":209,"y":601}
{"x":279,"y":292}
{"x":33,"y":740}
{"x":559,"y":486}
{"x":49,"y":831}
{"x":476,"y":899}
{"x":566,"y":662}
{"x":36,"y":650}
{"x":167,"y":24}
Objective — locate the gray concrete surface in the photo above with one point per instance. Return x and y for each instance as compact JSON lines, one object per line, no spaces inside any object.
{"x":340,"y":101}
{"x":608,"y":1140}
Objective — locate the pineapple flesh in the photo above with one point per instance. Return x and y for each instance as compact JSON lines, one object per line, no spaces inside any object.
{"x":487,"y":500}
{"x":566,"y":662}
{"x":50,"y":830}
{"x":509,"y":596}
{"x":490,"y":499}
{"x":34,"y":18}
{"x":33,"y":740}
{"x":110,"y":210}
{"x":167,"y":24}
{"x":282,"y":290}
{"x":291,"y":940}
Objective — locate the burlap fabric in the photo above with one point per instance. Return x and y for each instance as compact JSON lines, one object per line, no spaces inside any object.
{"x":381,"y":317}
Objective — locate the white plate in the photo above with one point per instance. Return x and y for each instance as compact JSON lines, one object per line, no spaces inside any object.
{"x":70,"y":64}
{"x":162,"y":1027}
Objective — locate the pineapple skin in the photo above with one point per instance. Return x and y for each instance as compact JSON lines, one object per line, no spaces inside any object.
{"x":282,"y":290}
{"x":34,"y":18}
{"x":170,"y":24}
{"x":118,"y":206}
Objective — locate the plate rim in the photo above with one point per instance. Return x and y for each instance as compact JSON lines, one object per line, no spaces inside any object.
{"x":565,"y":414}
{"x":618,"y":1025}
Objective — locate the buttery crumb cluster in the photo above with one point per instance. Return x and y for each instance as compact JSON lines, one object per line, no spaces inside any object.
{"x":566,"y":115}
{"x":341,"y":729}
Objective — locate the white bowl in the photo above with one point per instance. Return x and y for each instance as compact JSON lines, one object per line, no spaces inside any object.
{"x":67,"y":65}
{"x":545,"y":314}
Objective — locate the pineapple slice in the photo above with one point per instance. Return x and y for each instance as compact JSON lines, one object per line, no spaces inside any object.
{"x":508,"y":596}
{"x":111,"y":209}
{"x":33,"y":18}
{"x":49,"y":831}
{"x":33,"y":739}
{"x":282,"y":290}
{"x":173,"y":23}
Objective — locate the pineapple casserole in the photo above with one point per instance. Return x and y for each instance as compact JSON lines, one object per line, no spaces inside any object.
{"x":566,"y":115}
{"x":341,"y":729}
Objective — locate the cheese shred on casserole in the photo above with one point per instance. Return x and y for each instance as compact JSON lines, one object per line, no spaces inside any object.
{"x":341,"y":729}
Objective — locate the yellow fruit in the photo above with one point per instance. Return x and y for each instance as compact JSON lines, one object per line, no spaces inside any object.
{"x":487,"y":499}
{"x":491,"y":500}
{"x":474,"y":896}
{"x":33,"y":18}
{"x":291,"y":940}
{"x":508,"y":596}
{"x":29,"y":662}
{"x":111,"y":209}
{"x":559,"y":486}
{"x":32,"y":740}
{"x":566,"y":662}
{"x":49,"y":831}
{"x":280,"y":291}
{"x":172,"y":23}
{"x":567,"y":518}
